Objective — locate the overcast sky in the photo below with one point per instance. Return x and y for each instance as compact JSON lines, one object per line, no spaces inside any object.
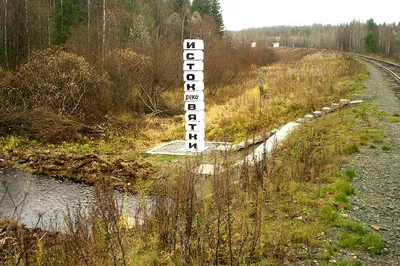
{"x":241,"y":14}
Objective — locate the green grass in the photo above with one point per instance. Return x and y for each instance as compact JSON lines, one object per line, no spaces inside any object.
{"x":350,"y":173}
{"x":339,"y":190}
{"x":354,"y":148}
{"x":354,"y":235}
{"x":387,"y":148}
{"x":15,"y":142}
{"x":356,"y":84}
{"x":162,"y":159}
{"x":393,"y":119}
{"x":370,"y":242}
{"x":368,"y":135}
{"x":328,"y":214}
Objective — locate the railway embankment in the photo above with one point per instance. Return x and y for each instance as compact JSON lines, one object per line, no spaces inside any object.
{"x":377,"y":201}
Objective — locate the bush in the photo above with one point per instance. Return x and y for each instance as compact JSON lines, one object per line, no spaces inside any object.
{"x":126,"y":69}
{"x":61,"y":82}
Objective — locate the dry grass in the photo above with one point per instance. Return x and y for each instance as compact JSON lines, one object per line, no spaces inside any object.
{"x":290,"y":54}
{"x":292,"y":90}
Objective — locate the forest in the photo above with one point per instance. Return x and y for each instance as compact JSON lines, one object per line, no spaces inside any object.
{"x":91,"y":58}
{"x":355,"y":37}
{"x":87,"y":59}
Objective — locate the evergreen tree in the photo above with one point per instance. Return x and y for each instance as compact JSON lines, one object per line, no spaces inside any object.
{"x":216,"y":14}
{"x":370,"y":42}
{"x":201,"y":6}
{"x":370,"y":37}
{"x":67,"y":14}
{"x":180,"y":4}
{"x":210,"y":8}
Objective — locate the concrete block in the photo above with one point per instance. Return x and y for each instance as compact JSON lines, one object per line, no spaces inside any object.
{"x":254,"y":141}
{"x":326,"y":110}
{"x":223,"y":148}
{"x":317,"y":114}
{"x":300,"y":120}
{"x":334,"y":106}
{"x":260,"y":139}
{"x":269,"y":145}
{"x":239,"y":146}
{"x":356,"y":102}
{"x":308,"y":117}
{"x":344,"y":102}
{"x":206,"y":169}
{"x":273,"y":132}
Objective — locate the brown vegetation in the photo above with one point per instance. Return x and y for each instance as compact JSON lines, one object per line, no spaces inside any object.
{"x":292,"y":90}
{"x":275,"y":213}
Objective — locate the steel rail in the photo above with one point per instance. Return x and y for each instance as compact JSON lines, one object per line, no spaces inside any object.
{"x":380,"y":62}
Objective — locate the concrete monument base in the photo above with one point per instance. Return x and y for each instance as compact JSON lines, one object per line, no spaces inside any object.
{"x":177,"y":147}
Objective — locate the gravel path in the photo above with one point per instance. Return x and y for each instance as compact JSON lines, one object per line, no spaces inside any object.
{"x":378,"y":184}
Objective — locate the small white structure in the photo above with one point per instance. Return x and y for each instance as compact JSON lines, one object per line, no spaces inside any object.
{"x":253,"y":45}
{"x":275,"y":44}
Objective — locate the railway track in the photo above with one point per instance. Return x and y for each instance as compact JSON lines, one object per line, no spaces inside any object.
{"x":391,"y":68}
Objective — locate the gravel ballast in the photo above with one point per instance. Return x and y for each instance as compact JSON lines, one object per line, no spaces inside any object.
{"x":377,"y":202}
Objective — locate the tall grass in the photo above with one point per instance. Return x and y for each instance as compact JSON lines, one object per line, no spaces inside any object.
{"x":292,"y":90}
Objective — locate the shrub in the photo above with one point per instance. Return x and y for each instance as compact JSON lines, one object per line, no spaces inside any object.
{"x":62,"y":82}
{"x":126,"y":69}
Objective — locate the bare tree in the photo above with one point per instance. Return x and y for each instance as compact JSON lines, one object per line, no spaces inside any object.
{"x":49,"y":24}
{"x":27,"y":27}
{"x":103,"y":42}
{"x":88,"y":23}
{"x":5,"y":33}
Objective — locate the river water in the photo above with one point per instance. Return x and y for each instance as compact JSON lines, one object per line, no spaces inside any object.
{"x":43,"y":201}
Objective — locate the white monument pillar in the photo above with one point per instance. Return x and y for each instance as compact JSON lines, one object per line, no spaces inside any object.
{"x":193,"y":66}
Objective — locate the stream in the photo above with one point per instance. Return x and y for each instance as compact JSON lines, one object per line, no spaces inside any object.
{"x":41,"y":201}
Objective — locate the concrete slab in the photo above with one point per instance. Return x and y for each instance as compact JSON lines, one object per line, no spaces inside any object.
{"x":238,"y":147}
{"x":344,"y":102}
{"x":317,"y":114}
{"x":177,"y":147}
{"x":250,"y":142}
{"x":206,"y":169}
{"x":334,"y":106}
{"x":223,"y":147}
{"x":356,"y":102}
{"x":269,"y":145}
{"x":308,"y":117}
{"x":300,"y":120}
{"x":273,"y":132}
{"x":260,"y":139}
{"x":326,"y":110}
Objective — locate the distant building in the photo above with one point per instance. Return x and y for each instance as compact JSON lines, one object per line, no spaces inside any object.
{"x":275,"y":44}
{"x":253,"y":45}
